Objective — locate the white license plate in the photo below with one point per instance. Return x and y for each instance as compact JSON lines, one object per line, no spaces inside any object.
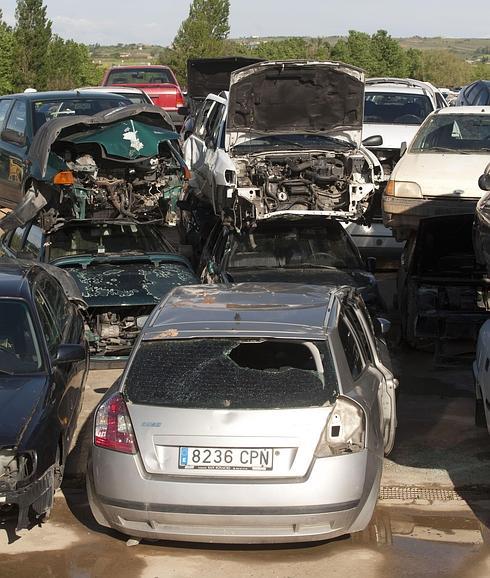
{"x":193,"y":458}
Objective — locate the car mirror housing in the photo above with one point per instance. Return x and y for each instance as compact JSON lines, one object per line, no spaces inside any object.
{"x":69,"y":353}
{"x":373,"y":141}
{"x":484,"y":182}
{"x":382,"y":326}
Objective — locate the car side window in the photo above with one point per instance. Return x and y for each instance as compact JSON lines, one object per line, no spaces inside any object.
{"x":34,"y":241}
{"x":17,"y":121}
{"x":201,"y":118}
{"x":351,"y":315}
{"x":213,"y":118}
{"x":215,"y":128}
{"x":4,"y":108}
{"x":15,"y":241}
{"x":57,"y":302}
{"x":48,"y":324}
{"x":351,"y":348}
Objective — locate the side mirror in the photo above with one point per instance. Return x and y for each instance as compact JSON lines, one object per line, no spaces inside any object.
{"x":68,"y":353}
{"x":484,"y":182}
{"x":373,"y":141}
{"x":381,"y":326}
{"x":403,"y":148}
{"x":371,"y":264}
{"x":183,"y":110}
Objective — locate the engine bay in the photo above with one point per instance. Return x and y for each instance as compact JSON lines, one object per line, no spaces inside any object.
{"x":330,"y":182}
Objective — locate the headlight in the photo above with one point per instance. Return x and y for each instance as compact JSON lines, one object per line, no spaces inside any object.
{"x":345,"y":430}
{"x":403,"y":189}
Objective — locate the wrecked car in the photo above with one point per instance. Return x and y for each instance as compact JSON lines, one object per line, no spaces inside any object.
{"x":43,"y":365}
{"x":443,"y":292}
{"x":286,"y":139}
{"x":22,"y":115}
{"x":122,"y":162}
{"x":250,"y":413}
{"x":290,"y":249}
{"x":122,"y":269}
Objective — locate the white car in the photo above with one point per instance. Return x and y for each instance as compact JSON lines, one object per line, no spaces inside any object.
{"x":439,"y":173}
{"x":394,"y":108}
{"x":481,"y":372}
{"x":285,"y":139}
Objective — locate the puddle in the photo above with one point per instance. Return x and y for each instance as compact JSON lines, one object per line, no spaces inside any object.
{"x":401,"y":541}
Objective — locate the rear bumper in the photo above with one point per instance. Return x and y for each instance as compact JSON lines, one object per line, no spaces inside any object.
{"x":320,"y":507}
{"x":407,"y":212}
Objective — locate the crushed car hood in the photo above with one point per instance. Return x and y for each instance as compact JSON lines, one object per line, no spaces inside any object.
{"x":116,"y":128}
{"x":296,"y":97}
{"x":212,"y":75}
{"x":127,"y":281}
{"x":20,"y":395}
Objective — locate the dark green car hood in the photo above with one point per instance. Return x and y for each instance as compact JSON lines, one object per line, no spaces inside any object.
{"x":127,"y":281}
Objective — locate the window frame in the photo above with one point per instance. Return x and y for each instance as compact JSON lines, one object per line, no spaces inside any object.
{"x":11,"y":135}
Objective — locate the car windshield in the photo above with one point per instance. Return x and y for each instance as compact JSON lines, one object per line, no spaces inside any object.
{"x":454,"y":133}
{"x":19,"y":348}
{"x":290,"y":246}
{"x":294,"y":141}
{"x":140,"y":76}
{"x":396,"y":108}
{"x":100,"y":239}
{"x":232,"y":373}
{"x":44,"y":110}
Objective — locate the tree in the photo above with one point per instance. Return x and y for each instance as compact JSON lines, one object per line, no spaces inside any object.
{"x":69,"y":65}
{"x":355,"y":50}
{"x":388,"y":57}
{"x":443,"y":68}
{"x":6,"y":49}
{"x":32,"y":35}
{"x":292,"y":49}
{"x":202,"y":34}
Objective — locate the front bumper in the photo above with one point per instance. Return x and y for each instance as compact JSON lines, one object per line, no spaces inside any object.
{"x":332,"y":501}
{"x":38,"y":494}
{"x":407,"y":212}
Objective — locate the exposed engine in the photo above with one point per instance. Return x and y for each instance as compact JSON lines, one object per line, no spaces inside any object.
{"x":315,"y":181}
{"x":113,"y":333}
{"x":14,"y":469}
{"x":142,"y":189}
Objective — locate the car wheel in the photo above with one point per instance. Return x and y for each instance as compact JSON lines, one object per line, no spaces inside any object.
{"x":480,"y":417}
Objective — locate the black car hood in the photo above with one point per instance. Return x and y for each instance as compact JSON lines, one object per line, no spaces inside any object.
{"x":62,"y":127}
{"x":296,"y":96}
{"x":20,"y":397}
{"x":212,"y":75}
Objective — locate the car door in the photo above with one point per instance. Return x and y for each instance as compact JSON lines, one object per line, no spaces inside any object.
{"x":14,"y":138}
{"x":378,"y":355}
{"x":194,"y":146}
{"x":60,"y":324}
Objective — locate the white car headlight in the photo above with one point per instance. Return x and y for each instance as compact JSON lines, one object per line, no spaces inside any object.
{"x":403,"y":189}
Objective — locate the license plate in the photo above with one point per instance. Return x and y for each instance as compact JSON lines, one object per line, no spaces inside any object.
{"x":193,"y":458}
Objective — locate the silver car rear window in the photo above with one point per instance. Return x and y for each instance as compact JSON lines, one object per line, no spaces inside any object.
{"x":232,"y":373}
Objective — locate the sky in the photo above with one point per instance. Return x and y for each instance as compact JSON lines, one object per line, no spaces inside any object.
{"x":157,"y":21}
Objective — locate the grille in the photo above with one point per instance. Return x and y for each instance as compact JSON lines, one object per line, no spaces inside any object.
{"x":406,"y":493}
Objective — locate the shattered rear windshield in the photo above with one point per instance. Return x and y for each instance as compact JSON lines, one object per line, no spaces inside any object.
{"x":232,"y":373}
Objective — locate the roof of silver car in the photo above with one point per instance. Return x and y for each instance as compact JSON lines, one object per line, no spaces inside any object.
{"x":273,"y":309}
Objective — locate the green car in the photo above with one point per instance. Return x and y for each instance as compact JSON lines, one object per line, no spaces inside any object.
{"x":123,"y":162}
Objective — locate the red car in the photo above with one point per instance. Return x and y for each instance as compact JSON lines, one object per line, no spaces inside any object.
{"x":157,"y":81}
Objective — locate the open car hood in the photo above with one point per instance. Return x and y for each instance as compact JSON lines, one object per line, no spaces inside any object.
{"x":110,"y":128}
{"x":287,"y":97}
{"x":212,"y":75}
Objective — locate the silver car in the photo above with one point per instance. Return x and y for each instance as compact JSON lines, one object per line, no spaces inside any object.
{"x":250,"y":413}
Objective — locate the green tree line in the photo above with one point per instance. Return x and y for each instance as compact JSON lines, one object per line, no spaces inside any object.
{"x":31,"y":56}
{"x":205,"y":33}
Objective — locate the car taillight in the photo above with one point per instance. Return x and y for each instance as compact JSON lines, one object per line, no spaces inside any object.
{"x":113,"y":429}
{"x":179,"y":99}
{"x":345,"y":432}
